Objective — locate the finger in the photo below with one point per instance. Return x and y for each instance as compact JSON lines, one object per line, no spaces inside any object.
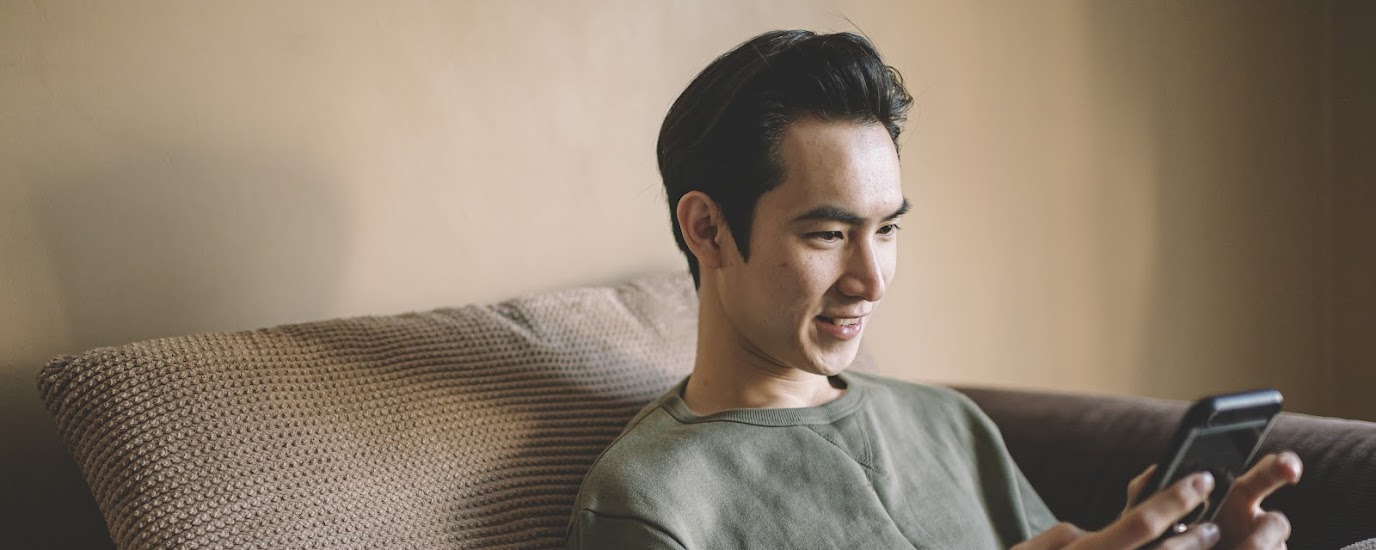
{"x":1146,"y":521}
{"x":1270,"y":530}
{"x":1135,"y":486}
{"x":1204,"y":535}
{"x":1242,"y":507}
{"x":1059,"y":536}
{"x":1271,"y":473}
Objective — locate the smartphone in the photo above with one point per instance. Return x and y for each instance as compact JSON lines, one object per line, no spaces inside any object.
{"x":1219,"y":434}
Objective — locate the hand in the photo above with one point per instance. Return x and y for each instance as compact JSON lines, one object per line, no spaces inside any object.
{"x":1141,"y":524}
{"x":1245,"y":525}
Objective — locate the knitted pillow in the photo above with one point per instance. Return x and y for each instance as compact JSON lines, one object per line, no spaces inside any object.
{"x":455,"y":428}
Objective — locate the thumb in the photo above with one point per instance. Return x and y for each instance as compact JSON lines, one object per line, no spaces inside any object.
{"x":1135,"y":486}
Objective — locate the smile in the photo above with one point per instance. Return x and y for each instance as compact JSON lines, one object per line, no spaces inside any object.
{"x":840,"y":328}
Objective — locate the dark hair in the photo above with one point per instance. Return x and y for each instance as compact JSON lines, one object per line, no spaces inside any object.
{"x":722,"y":134}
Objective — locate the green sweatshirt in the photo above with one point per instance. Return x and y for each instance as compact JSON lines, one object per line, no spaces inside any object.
{"x":889,"y":464}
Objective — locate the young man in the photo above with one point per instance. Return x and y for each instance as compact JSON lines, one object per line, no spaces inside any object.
{"x":781,"y":165}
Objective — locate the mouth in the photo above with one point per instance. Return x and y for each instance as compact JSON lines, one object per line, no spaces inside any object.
{"x":840,"y":328}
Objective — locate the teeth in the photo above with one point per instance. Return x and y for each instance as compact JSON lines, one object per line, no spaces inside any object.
{"x":846,"y":322}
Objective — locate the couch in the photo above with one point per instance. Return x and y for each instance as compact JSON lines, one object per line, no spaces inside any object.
{"x":472,"y":427}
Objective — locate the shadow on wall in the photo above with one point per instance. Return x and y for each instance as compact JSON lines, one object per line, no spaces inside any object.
{"x":185,"y":241}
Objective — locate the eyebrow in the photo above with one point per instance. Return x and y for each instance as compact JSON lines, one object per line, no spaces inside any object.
{"x":828,"y":212}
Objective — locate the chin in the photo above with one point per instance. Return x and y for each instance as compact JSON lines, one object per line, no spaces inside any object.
{"x":834,"y":363}
{"x":828,"y":360}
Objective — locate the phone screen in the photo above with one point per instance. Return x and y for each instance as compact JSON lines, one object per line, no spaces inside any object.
{"x":1224,"y":451}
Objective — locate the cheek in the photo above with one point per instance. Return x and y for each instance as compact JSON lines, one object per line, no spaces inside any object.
{"x":779,"y":284}
{"x":889,"y":262}
{"x":805,"y":276}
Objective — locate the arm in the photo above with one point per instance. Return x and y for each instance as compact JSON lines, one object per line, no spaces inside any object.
{"x":592,"y":530}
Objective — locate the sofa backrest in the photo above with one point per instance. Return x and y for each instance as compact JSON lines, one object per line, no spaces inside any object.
{"x":473,"y":427}
{"x":455,"y":428}
{"x":1079,"y":451}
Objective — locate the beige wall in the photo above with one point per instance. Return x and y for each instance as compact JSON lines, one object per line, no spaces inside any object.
{"x":1122,"y":197}
{"x":1156,"y":199}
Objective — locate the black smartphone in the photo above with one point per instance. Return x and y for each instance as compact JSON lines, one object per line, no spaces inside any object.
{"x":1219,"y":434}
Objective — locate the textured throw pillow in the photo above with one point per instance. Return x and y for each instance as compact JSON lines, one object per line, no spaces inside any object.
{"x":455,"y":428}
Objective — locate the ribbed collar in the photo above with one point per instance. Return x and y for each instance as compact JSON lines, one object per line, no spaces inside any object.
{"x":825,"y":413}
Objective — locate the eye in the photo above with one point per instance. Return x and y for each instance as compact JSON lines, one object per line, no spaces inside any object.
{"x":891,"y":229}
{"x":826,"y":236}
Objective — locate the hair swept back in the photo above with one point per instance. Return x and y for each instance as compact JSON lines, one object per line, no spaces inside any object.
{"x":722,"y":134}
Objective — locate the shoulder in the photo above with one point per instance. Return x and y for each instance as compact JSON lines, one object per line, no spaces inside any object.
{"x":662,"y":477}
{"x":651,"y":463}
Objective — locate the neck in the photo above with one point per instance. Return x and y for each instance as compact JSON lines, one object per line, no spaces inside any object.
{"x":729,"y":373}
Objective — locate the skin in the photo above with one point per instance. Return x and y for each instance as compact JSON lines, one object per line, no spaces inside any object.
{"x":759,"y":343}
{"x":1242,"y":524}
{"x":824,"y":243}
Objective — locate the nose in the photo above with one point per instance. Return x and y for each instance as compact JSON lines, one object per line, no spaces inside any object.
{"x":864,"y":274}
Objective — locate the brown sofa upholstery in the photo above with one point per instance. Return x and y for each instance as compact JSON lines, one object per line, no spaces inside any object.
{"x":472,"y":428}
{"x":1079,"y":451}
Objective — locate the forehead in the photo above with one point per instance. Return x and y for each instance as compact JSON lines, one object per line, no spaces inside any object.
{"x":846,"y":164}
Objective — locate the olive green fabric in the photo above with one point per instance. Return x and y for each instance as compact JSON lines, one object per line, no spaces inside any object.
{"x":889,"y":464}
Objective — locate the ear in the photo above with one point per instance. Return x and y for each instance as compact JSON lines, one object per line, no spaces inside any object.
{"x":704,"y":229}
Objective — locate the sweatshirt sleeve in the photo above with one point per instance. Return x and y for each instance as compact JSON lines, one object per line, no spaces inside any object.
{"x":1039,"y":516}
{"x":592,"y":531}
{"x":1017,"y":511}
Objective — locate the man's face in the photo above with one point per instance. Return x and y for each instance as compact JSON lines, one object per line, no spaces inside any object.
{"x":823,"y":247}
